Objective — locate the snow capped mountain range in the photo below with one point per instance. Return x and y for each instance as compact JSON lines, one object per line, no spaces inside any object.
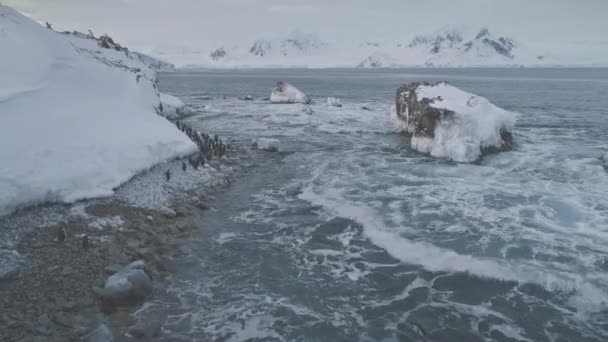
{"x":447,"y":47}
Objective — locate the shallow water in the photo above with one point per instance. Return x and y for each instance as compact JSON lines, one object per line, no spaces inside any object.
{"x":348,"y":235}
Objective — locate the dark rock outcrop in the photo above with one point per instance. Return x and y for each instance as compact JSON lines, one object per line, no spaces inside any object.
{"x":218,"y":54}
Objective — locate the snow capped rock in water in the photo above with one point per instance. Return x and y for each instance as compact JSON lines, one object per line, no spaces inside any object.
{"x":172,"y":107}
{"x":69,"y":109}
{"x":333,"y":101}
{"x":267,"y":144}
{"x":286,"y":93}
{"x":447,"y":122}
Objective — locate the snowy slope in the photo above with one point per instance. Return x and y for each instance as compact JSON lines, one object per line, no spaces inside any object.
{"x":76,"y":119}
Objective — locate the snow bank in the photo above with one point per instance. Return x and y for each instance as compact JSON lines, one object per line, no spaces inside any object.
{"x":267,"y":144}
{"x":76,"y":120}
{"x":286,"y":93}
{"x":450,"y":123}
{"x":172,"y":106}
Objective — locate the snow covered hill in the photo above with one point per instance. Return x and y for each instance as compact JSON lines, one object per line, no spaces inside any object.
{"x":446,"y":47}
{"x":78,"y":116}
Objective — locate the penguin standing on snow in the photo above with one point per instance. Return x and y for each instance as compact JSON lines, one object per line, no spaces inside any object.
{"x":184,"y":167}
{"x":168,"y":175}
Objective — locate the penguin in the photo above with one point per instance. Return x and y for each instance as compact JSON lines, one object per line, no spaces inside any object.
{"x":184,"y":167}
{"x":85,"y":242}
{"x":60,"y":234}
{"x":168,"y":175}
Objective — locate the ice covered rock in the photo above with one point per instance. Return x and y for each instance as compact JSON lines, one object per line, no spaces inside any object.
{"x":172,"y":107}
{"x":128,"y":285}
{"x":333,"y":101}
{"x":10,"y":262}
{"x":286,"y":93}
{"x":267,"y":144}
{"x":447,"y":122}
{"x":68,"y":111}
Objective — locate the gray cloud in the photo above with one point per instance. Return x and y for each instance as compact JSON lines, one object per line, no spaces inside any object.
{"x":206,"y":23}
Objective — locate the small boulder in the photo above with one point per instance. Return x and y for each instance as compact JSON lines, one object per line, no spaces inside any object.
{"x":286,"y":93}
{"x":149,"y":325}
{"x":246,"y":98}
{"x":129,"y":285}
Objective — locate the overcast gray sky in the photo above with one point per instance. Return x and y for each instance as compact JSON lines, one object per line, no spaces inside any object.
{"x":204,"y":23}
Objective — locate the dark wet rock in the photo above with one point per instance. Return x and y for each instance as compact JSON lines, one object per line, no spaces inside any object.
{"x":101,"y":334}
{"x":10,"y":263}
{"x":218,"y":54}
{"x":129,"y":285}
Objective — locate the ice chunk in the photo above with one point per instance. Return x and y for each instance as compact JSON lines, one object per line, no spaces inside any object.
{"x":450,"y":123}
{"x":333,"y":101}
{"x":286,"y":93}
{"x":267,"y":144}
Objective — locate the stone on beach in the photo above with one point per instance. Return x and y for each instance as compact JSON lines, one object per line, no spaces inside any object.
{"x":129,"y":285}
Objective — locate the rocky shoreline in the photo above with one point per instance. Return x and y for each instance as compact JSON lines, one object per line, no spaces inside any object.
{"x":57,"y":291}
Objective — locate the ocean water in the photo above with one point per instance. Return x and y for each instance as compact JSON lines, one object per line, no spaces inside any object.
{"x":347,"y":234}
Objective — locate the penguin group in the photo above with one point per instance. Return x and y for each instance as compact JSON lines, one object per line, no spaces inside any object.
{"x":209,"y":147}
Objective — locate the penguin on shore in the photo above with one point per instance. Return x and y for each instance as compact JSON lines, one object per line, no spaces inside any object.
{"x":184,"y":167}
{"x":85,"y":242}
{"x":60,"y":235}
{"x":168,"y":175}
